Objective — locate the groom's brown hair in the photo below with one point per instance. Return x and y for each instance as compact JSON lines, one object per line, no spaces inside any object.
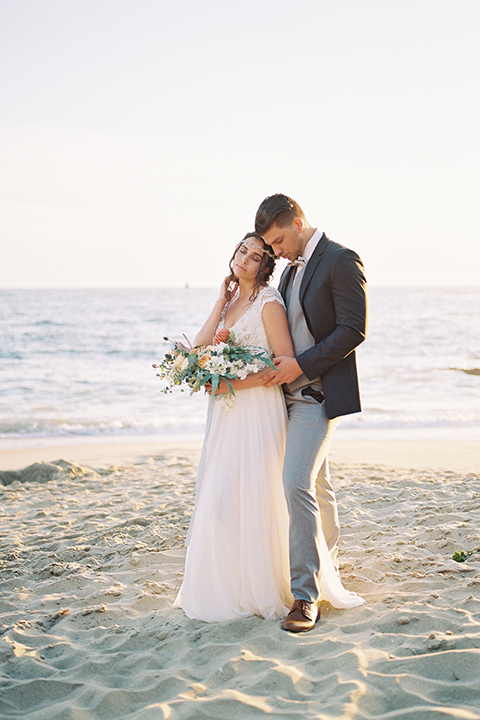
{"x":278,"y":210}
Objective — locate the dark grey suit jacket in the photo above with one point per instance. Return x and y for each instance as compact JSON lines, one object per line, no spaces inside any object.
{"x":333,"y":296}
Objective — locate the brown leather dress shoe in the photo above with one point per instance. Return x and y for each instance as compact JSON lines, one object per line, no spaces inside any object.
{"x":302,"y":616}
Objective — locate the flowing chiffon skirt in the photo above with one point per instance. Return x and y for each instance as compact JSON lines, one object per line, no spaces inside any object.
{"x":237,"y":545}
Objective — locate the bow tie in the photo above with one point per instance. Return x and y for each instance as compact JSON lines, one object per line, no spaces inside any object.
{"x":299,"y":262}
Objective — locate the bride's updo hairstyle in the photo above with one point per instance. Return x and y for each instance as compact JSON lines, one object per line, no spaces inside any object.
{"x":265,"y":271}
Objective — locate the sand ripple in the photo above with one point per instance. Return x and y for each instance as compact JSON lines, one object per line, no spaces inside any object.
{"x":92,"y":559}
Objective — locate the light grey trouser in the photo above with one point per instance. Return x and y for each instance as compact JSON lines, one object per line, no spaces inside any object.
{"x":310,"y":495}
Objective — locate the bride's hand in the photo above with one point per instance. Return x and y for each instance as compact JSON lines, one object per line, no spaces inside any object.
{"x":228,"y":288}
{"x":222,"y":388}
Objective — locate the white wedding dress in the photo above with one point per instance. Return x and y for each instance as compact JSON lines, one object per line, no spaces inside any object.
{"x":237,"y":545}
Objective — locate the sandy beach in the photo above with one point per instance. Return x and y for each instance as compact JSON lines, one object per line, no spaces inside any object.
{"x":92,"y":552}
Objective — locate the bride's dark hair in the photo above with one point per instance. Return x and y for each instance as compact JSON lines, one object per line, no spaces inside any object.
{"x":265,"y":271}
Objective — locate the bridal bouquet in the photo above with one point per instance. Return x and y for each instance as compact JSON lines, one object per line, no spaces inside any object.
{"x":225,"y":360}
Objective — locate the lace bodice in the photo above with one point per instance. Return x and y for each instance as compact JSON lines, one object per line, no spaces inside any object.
{"x":250,"y":329}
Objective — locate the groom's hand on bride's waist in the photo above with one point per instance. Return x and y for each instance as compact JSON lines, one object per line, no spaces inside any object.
{"x":287,"y":371}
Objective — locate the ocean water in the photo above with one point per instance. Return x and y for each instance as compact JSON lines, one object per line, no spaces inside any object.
{"x":78,"y":363}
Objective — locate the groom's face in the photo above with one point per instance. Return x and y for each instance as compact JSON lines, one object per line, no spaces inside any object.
{"x":286,"y":241}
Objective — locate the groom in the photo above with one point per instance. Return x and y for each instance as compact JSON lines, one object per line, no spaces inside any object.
{"x":324,"y":289}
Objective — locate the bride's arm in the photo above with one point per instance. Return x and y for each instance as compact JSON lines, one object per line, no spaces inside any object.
{"x":207,"y":331}
{"x":276,"y":326}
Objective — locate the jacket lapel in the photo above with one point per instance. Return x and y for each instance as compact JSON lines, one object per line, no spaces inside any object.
{"x":284,"y":280}
{"x":312,"y":264}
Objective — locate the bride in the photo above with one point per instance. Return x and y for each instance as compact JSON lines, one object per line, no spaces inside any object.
{"x":237,"y":545}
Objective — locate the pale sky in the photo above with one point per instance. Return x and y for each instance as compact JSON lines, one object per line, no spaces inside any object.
{"x":138,"y":137}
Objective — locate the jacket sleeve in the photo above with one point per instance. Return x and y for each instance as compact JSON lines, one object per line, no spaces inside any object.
{"x":348,"y":289}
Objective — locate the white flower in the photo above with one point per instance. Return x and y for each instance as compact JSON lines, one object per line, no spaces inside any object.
{"x":227,"y":400}
{"x":178,"y":362}
{"x":253,"y":367}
